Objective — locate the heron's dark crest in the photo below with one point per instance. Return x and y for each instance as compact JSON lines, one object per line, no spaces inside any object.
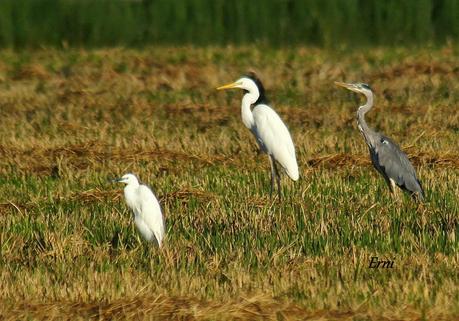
{"x":261,"y":89}
{"x":366,"y":86}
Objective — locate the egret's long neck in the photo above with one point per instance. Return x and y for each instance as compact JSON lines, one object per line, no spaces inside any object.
{"x":246,"y":112}
{"x":366,"y":131}
{"x":132,"y":185}
{"x":130,"y":194}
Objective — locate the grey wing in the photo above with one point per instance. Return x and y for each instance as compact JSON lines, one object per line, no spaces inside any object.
{"x":394,"y":164}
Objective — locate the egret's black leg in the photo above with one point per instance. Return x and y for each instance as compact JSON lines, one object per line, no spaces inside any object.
{"x":273,"y":174}
{"x":276,"y":172}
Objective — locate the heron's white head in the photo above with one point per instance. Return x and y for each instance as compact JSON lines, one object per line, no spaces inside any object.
{"x":128,"y":179}
{"x":251,"y":85}
{"x":357,"y":87}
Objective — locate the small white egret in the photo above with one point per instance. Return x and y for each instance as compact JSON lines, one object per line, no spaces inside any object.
{"x":265,"y":124}
{"x":147,"y":212}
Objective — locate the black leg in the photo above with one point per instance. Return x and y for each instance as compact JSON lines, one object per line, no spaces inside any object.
{"x":276,"y":173}
{"x":273,"y":174}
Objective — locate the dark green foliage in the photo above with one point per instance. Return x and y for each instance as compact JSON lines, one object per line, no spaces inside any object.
{"x":203,"y":22}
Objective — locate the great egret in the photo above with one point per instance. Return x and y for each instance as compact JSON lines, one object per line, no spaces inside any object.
{"x":388,"y":159}
{"x":147,"y":212}
{"x":265,"y":124}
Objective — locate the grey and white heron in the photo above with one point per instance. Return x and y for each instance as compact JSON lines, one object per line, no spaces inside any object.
{"x":387,"y":157}
{"x":265,"y":124}
{"x":147,"y":211}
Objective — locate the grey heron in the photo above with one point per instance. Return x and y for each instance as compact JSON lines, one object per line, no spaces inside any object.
{"x":387,"y":157}
{"x":265,"y":124}
{"x":147,"y":211}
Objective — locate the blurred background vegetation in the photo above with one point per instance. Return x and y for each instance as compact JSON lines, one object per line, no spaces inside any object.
{"x":327,"y":23}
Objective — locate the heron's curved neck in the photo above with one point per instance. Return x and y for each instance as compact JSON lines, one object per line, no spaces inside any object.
{"x":366,"y":131}
{"x":246,"y":112}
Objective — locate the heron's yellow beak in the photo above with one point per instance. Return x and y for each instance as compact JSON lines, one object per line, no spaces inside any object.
{"x":229,"y":86}
{"x":347,"y":86}
{"x":342,"y":84}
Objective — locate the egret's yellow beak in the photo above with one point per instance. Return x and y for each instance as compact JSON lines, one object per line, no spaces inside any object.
{"x":229,"y":86}
{"x":351,"y":87}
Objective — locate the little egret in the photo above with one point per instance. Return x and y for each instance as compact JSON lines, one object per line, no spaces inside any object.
{"x":387,"y":158}
{"x":147,"y":212}
{"x":265,"y":124}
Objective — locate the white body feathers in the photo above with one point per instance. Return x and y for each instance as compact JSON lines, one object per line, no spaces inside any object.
{"x":148,"y":217}
{"x":270,"y":131}
{"x":274,"y":138}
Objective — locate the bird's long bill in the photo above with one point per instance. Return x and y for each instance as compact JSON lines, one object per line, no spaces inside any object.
{"x":229,"y":86}
{"x":117,"y":180}
{"x":342,"y":84}
{"x":345,"y":85}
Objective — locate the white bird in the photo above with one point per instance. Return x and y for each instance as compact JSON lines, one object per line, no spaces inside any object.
{"x":147,"y":211}
{"x":265,"y":124}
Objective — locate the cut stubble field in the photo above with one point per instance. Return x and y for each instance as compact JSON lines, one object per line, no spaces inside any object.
{"x":73,"y":119}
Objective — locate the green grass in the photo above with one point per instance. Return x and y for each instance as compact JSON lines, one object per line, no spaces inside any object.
{"x":72,"y":120}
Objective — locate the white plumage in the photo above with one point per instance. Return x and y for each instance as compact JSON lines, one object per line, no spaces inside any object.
{"x":274,"y":135}
{"x":148,"y":217}
{"x":270,"y":132}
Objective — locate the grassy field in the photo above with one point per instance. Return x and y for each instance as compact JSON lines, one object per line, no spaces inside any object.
{"x":72,"y":120}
